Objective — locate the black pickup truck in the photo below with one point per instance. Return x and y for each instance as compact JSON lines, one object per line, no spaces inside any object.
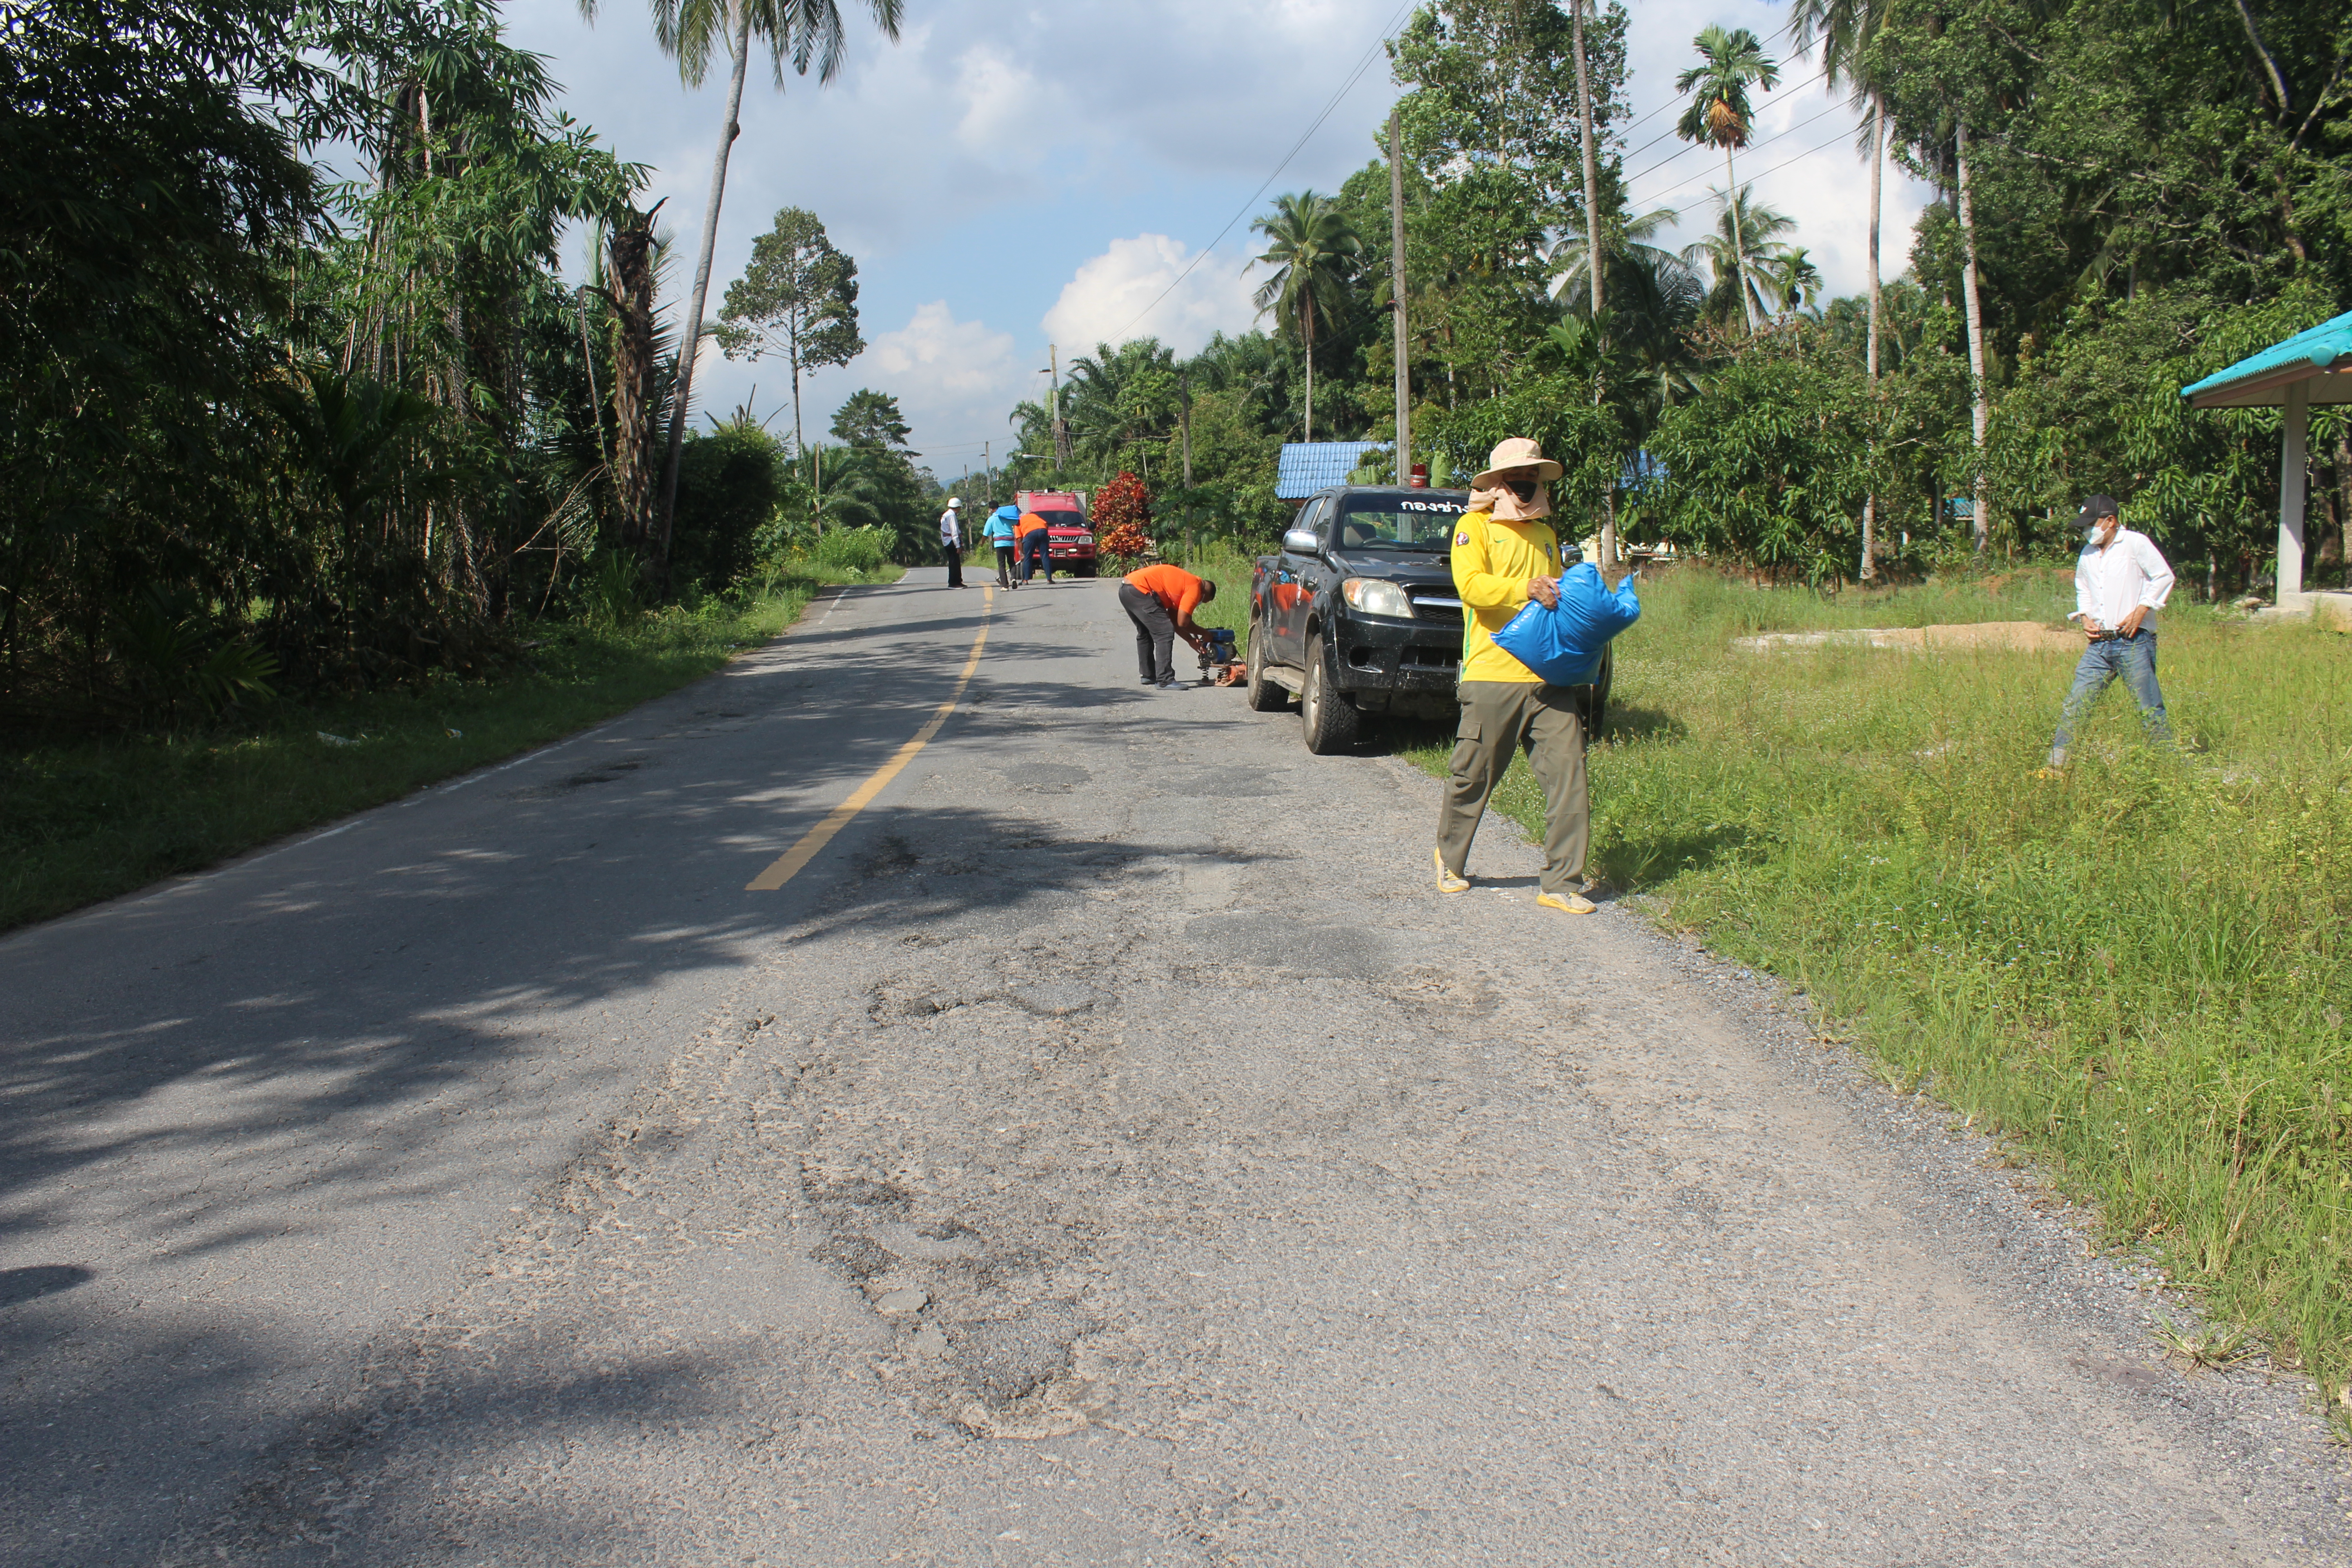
{"x":1358,"y":614}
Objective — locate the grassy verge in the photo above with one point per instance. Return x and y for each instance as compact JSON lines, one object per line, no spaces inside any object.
{"x":83,"y":820}
{"x":2137,"y":971}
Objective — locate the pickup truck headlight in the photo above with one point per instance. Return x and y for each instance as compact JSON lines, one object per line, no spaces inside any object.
{"x":1375,"y":598}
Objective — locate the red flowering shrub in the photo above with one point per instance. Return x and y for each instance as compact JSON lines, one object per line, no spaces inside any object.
{"x":1122,"y":519}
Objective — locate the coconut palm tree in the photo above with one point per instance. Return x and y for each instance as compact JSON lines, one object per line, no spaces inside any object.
{"x":1846,"y":29}
{"x":1740,"y":254}
{"x":1313,"y":253}
{"x":1719,"y":112}
{"x":1793,"y":279}
{"x":1571,"y":254}
{"x":800,"y":30}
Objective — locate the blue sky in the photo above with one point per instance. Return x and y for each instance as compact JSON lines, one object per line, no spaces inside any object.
{"x":1009,"y":175}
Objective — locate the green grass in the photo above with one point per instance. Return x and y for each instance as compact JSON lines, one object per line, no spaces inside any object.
{"x":83,"y":820}
{"x":2137,"y":971}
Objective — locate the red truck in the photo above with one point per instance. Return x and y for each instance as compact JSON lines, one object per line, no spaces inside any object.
{"x":1069,"y":538}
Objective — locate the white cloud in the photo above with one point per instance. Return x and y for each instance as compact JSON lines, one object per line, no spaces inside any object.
{"x":1133,"y":289}
{"x":1000,"y":97}
{"x":954,"y":379}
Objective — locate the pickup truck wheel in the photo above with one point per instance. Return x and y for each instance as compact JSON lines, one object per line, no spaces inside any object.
{"x":1330,"y":722}
{"x":1264,"y":696}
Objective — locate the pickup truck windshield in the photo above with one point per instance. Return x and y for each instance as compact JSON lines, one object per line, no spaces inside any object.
{"x":1396,"y":522}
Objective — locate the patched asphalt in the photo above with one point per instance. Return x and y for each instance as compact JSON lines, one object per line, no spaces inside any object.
{"x":1109,"y":1149}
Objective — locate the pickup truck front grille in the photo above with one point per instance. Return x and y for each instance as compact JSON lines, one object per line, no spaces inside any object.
{"x":1436,"y":605}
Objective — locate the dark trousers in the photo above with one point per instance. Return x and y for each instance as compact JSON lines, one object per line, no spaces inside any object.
{"x":1005,"y":565}
{"x":1034,"y":558}
{"x":954,"y":552}
{"x":1155,"y":633}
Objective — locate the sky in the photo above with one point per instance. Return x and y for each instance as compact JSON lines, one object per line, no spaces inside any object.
{"x":1014,"y":176}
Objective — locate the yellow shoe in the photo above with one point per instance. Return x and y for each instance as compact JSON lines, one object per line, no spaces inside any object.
{"x":1568,"y":903}
{"x":1448,"y":882}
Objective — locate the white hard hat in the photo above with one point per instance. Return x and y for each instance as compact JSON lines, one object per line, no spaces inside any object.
{"x":953,"y":501}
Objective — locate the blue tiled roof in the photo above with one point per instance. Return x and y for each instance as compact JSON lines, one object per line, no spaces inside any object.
{"x":1306,"y":467}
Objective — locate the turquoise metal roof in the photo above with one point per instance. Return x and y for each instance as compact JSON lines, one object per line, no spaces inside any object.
{"x":1305,"y":466}
{"x":2260,"y":381}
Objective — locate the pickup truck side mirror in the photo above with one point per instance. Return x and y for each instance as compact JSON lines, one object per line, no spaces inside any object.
{"x":1301,"y":541}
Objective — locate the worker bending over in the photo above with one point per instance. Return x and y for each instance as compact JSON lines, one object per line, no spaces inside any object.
{"x":1505,"y":554}
{"x":1161,"y":600}
{"x":1034,"y":538}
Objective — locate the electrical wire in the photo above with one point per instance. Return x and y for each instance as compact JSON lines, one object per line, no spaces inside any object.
{"x":1757,"y":147}
{"x":1775,"y":169}
{"x":1347,"y":87}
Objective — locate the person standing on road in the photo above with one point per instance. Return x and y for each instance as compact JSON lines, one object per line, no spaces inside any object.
{"x":1034,"y":537}
{"x":1161,"y":600}
{"x":1002,"y":523}
{"x":2120,"y":580}
{"x":1504,"y":555}
{"x":952,"y":542}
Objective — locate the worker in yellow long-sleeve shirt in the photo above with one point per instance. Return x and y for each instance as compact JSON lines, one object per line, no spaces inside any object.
{"x":1504,"y":555}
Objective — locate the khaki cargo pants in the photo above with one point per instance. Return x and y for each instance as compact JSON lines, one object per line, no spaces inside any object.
{"x":1498,"y":717}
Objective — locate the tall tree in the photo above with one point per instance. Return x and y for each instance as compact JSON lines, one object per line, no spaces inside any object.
{"x":870,"y":421}
{"x":1731,"y":60}
{"x":1846,"y":29}
{"x":1313,"y":253}
{"x":798,"y":298}
{"x":1747,"y":257}
{"x":1972,"y":301}
{"x":801,"y":30}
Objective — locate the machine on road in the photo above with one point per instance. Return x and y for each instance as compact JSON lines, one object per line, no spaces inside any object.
{"x":1356,"y":614}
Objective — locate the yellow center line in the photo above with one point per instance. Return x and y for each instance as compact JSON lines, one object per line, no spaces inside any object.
{"x":789,"y":864}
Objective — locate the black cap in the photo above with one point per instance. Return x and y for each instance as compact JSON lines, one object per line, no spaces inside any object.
{"x":2093,"y":509}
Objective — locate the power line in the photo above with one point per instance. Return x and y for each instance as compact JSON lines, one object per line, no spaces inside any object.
{"x":1696,"y":146}
{"x":1773,"y":170}
{"x":1347,"y":87}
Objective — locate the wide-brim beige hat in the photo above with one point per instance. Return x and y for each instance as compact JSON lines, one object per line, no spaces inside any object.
{"x":1518,"y":452}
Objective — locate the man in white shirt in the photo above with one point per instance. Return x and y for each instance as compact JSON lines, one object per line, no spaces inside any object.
{"x":2120,"y":580}
{"x":952,"y":542}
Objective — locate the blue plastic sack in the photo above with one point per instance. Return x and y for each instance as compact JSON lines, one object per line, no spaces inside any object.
{"x":1563,"y":645}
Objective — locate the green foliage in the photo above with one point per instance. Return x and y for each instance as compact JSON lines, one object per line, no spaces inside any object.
{"x":730,"y":483}
{"x":798,"y":298}
{"x":859,"y":550}
{"x":1769,"y":468}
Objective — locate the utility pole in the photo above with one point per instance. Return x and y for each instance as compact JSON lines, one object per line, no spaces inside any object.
{"x":1061,"y":431}
{"x":987,"y":475}
{"x":1396,"y":290}
{"x":1595,"y":263}
{"x":1184,"y":423}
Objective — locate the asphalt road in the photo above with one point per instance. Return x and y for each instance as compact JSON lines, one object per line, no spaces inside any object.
{"x":1104,"y":1148}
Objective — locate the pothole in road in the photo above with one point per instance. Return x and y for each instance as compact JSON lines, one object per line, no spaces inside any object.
{"x":603,"y":773}
{"x":1045,"y":778}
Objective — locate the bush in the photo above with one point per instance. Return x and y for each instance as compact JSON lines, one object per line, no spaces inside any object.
{"x":855,"y":549}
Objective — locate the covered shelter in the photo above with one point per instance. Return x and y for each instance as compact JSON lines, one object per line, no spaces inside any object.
{"x":1302,"y":468}
{"x":2311,"y":367}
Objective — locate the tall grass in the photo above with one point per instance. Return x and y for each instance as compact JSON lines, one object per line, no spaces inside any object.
{"x":83,"y":819}
{"x":2137,"y":970}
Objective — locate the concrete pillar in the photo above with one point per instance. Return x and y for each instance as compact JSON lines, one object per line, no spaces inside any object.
{"x":2294,"y":466}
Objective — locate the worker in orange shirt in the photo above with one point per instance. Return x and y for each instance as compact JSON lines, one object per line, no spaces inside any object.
{"x":1161,"y":600}
{"x":1030,"y":537}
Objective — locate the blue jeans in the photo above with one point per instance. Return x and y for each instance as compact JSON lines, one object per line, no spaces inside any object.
{"x":2133,"y":661}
